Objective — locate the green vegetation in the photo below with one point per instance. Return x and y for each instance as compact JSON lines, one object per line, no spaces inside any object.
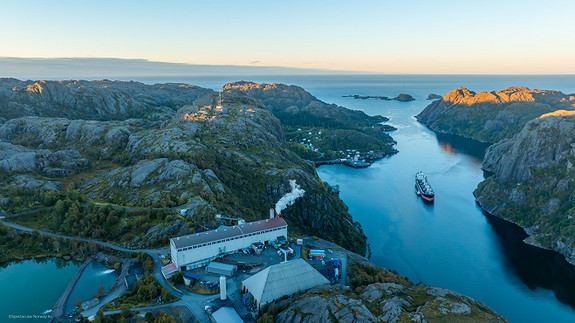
{"x":360,"y":275}
{"x":70,"y":217}
{"x":16,"y":245}
{"x":146,"y":291}
{"x":197,"y":288}
{"x":335,"y":143}
{"x":177,"y":278}
{"x":544,"y":202}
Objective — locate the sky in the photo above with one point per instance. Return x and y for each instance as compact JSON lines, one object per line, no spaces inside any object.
{"x":419,"y":37}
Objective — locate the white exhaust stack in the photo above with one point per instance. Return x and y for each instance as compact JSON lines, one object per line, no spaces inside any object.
{"x":272,"y":213}
{"x":223,"y":290}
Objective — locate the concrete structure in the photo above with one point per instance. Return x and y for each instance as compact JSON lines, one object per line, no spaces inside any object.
{"x":218,"y":268}
{"x":283,"y":279}
{"x":89,"y":304}
{"x":130,"y":280}
{"x":227,"y":315}
{"x":196,"y":250}
{"x":223,"y":288}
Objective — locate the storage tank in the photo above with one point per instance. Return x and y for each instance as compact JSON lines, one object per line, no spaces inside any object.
{"x":223,"y":288}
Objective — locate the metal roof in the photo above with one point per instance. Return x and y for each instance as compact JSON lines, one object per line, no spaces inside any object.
{"x":227,"y":315}
{"x":227,"y":232}
{"x":283,"y":279}
{"x":221,"y":266}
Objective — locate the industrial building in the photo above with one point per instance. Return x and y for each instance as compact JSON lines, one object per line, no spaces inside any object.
{"x":220,"y":269}
{"x":283,"y":279}
{"x":197,"y":250}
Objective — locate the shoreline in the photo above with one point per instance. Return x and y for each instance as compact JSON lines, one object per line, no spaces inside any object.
{"x":529,"y":240}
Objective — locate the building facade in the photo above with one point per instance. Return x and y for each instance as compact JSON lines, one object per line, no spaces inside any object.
{"x":198,"y":249}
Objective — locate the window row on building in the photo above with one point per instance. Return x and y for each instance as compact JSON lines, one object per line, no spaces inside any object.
{"x":230,"y":239}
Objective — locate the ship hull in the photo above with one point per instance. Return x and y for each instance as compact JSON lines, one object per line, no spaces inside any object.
{"x":426,"y":193}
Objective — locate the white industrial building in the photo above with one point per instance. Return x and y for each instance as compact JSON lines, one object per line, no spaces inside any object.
{"x":196,"y":250}
{"x":283,"y":279}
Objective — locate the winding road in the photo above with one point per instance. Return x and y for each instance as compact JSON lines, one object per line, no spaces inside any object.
{"x":194,"y":302}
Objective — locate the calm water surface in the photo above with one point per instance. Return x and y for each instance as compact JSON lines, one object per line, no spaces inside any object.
{"x":32,"y":287}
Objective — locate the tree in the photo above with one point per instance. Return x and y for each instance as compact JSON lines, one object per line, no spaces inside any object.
{"x":100,"y":291}
{"x":77,"y":301}
{"x":126,"y":313}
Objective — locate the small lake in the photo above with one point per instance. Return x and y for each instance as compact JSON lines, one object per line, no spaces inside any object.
{"x":31,"y":287}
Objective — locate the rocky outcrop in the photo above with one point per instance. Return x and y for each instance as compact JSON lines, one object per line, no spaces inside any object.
{"x":491,"y":116}
{"x":533,"y":182}
{"x":397,"y":301}
{"x":93,"y":99}
{"x":433,"y":304}
{"x":15,"y":158}
{"x":433,"y":96}
{"x":403,"y":97}
{"x":542,"y":142}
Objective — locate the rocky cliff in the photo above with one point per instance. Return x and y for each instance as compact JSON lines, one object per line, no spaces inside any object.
{"x":534,"y":181}
{"x":231,"y":159}
{"x":491,"y":116}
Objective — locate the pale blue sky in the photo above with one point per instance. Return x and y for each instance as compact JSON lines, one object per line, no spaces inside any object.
{"x":376,"y":36}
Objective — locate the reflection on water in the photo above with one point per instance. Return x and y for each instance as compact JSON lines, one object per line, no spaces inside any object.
{"x":456,"y":144}
{"x":537,"y":268}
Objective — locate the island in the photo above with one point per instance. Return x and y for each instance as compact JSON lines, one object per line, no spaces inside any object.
{"x":401,"y":97}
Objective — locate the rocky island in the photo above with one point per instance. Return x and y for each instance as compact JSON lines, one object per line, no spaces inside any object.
{"x":531,"y":161}
{"x":401,"y":97}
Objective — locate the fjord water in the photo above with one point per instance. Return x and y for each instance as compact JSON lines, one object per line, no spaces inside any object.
{"x":450,"y":244}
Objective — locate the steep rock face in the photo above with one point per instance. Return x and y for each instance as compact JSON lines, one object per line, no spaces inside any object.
{"x":534,"y":181}
{"x":92,"y":99}
{"x":491,"y":116}
{"x":542,"y":142}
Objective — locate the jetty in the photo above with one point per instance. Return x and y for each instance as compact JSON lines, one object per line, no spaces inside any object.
{"x":60,"y":308}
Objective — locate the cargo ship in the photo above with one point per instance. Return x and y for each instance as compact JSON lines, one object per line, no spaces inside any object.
{"x":423,"y":188}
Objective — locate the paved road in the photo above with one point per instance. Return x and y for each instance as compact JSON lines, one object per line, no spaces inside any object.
{"x":101,"y":243}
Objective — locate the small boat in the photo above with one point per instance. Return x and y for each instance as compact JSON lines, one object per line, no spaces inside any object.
{"x":423,"y":188}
